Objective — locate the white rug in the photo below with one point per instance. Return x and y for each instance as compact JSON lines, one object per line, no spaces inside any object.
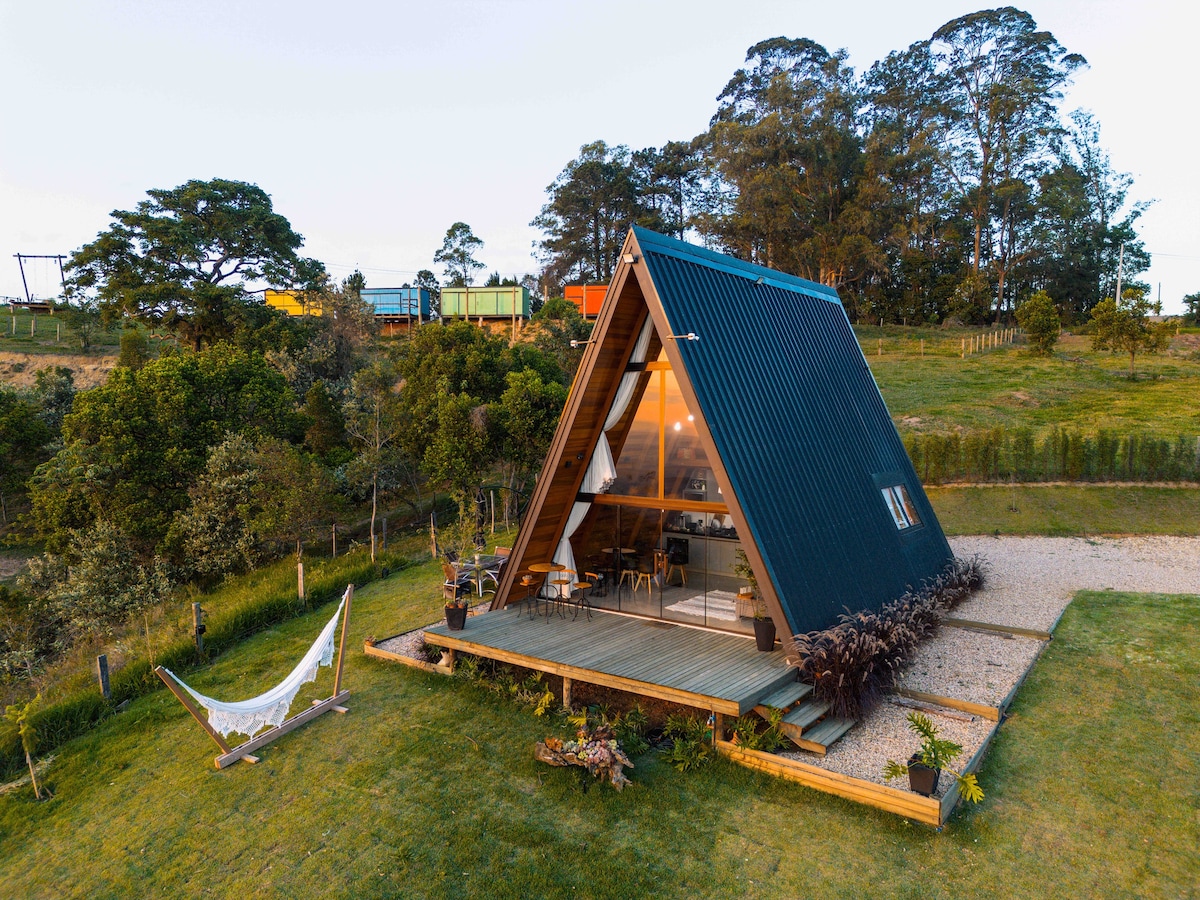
{"x":718,"y":605}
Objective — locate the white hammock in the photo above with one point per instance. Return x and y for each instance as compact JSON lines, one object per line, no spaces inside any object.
{"x":249,"y":716}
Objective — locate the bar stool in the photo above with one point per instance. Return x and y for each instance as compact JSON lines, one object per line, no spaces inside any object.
{"x":562,"y":590}
{"x":583,"y":602}
{"x":531,"y":601}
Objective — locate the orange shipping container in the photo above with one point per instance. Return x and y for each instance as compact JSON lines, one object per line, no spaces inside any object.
{"x":587,"y":297}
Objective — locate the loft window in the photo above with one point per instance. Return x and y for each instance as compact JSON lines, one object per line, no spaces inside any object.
{"x":904,"y":514}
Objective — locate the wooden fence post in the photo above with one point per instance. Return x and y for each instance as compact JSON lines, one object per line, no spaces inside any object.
{"x":964,"y":348}
{"x":300,"y":581}
{"x":102,"y":675}
{"x":198,"y":629}
{"x":881,"y":346}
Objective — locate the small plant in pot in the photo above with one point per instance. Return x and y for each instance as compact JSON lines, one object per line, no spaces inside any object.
{"x":764,"y":625}
{"x":934,"y":756}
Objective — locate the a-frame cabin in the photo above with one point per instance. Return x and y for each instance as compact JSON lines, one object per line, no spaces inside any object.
{"x":740,"y":412}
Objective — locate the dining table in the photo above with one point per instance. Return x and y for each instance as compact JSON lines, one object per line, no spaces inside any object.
{"x":483,"y":565}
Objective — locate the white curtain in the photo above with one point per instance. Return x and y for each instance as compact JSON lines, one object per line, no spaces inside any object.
{"x":602,"y":471}
{"x":249,"y":716}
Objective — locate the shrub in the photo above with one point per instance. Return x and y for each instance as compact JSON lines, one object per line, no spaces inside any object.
{"x":854,"y":663}
{"x":691,"y":742}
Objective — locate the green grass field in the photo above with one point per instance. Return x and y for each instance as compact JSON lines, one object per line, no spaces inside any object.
{"x":1067,"y":509}
{"x":428,"y":788}
{"x":1075,"y":388}
{"x":43,"y":333}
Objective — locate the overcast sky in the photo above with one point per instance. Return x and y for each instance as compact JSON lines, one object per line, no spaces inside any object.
{"x":375,"y":125}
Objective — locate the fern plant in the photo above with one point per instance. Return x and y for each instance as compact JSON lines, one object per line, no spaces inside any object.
{"x":935,"y":753}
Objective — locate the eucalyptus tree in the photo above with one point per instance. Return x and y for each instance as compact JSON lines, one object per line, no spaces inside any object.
{"x":184,"y":258}
{"x":1003,"y":80}
{"x":457,"y":255}
{"x":785,"y":146}
{"x":593,"y":201}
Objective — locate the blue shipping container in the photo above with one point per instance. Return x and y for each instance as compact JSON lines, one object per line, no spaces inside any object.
{"x":392,"y":302}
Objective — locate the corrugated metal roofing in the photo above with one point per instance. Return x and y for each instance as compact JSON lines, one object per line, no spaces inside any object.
{"x":801,"y":429}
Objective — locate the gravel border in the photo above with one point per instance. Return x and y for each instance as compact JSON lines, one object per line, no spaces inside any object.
{"x":1030,"y":583}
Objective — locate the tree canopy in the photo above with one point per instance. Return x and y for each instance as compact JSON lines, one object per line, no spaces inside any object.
{"x":185,"y":257}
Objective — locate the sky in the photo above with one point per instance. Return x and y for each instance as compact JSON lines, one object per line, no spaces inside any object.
{"x":376,"y":125}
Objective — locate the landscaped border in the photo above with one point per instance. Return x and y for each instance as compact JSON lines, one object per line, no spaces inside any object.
{"x":927,"y":810}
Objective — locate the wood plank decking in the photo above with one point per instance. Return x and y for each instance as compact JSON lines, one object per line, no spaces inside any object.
{"x":710,"y":670}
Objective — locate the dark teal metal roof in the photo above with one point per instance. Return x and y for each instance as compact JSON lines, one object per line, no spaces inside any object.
{"x":801,"y":428}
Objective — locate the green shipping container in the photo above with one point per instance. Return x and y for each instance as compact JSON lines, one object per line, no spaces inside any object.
{"x":486,"y":302}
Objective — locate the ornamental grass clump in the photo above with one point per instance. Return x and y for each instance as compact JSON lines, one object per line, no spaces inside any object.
{"x":854,"y":663}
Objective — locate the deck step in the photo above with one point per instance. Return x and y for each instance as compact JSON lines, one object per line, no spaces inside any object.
{"x":828,"y":731}
{"x":806,"y":713}
{"x":785,"y":696}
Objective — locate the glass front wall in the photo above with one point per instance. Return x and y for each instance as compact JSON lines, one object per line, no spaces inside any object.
{"x":664,"y":564}
{"x":661,"y":543}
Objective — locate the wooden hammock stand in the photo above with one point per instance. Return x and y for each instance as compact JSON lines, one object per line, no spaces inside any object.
{"x":230,"y":755}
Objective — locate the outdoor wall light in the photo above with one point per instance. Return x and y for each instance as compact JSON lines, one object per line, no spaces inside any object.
{"x":575,"y":345}
{"x":630,"y":258}
{"x":690,"y":336}
{"x":759,"y":280}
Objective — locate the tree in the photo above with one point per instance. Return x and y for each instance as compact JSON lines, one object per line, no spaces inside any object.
{"x":326,"y":432}
{"x":593,"y":201}
{"x":458,"y":451}
{"x":374,"y":420}
{"x":23,"y":437}
{"x":182,"y":258}
{"x":133,"y":445}
{"x":293,"y":497}
{"x":135,"y":349}
{"x":785,"y":147}
{"x":457,"y":255}
{"x":525,"y":419}
{"x":82,"y":316}
{"x":21,"y":719}
{"x":427,"y":280}
{"x":1003,"y":81}
{"x":213,"y":532}
{"x":1192,"y":302}
{"x":557,"y":324}
{"x":1126,"y":327}
{"x":1038,"y":316}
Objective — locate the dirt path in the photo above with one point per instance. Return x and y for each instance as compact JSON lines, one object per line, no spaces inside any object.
{"x":20,"y":369}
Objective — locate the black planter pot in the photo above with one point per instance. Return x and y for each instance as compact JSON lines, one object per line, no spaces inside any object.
{"x":764,"y":634}
{"x":456,"y":617}
{"x":921,"y":778}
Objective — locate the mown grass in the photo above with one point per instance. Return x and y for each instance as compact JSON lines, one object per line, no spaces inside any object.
{"x":50,"y":335}
{"x":1061,"y":510}
{"x":1076,"y":388}
{"x":428,"y":788}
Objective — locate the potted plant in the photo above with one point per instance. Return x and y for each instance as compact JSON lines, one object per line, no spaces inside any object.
{"x":764,"y":625}
{"x":934,"y":755}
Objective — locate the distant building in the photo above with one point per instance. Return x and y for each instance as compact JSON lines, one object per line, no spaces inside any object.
{"x":398,"y":309}
{"x":586,"y":298}
{"x":294,"y":303}
{"x":506,"y":302}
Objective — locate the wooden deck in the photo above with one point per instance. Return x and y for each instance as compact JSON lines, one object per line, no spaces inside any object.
{"x":720,"y":672}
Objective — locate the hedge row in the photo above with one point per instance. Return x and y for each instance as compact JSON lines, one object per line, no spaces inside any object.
{"x":73,"y":715}
{"x":1003,"y":454}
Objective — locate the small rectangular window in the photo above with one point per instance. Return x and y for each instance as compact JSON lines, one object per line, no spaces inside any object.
{"x":900,"y":505}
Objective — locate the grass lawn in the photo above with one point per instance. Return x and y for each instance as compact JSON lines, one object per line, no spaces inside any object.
{"x":1012,"y":388}
{"x":428,"y":788}
{"x":44,"y":333}
{"x":1067,"y":510}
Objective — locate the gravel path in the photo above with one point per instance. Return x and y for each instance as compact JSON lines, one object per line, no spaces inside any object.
{"x":1030,"y":582}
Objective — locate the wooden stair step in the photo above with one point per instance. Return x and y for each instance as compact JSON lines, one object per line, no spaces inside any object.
{"x":829,"y":730}
{"x":785,"y":696}
{"x":806,"y":713}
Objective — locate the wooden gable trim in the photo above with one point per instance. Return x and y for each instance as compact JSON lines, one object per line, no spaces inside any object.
{"x":592,"y":393}
{"x":677,"y":357}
